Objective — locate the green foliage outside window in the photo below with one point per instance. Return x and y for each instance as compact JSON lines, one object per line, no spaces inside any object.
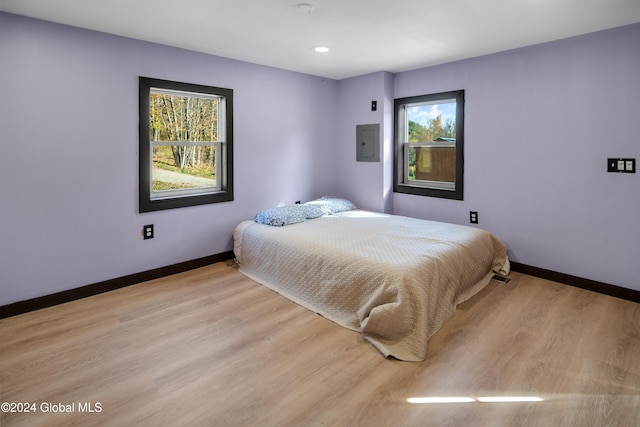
{"x":433,"y":130}
{"x":183,"y":118}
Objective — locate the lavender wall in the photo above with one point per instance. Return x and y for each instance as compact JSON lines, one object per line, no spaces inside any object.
{"x":69,"y":144}
{"x":365,"y":183}
{"x":540,"y":123}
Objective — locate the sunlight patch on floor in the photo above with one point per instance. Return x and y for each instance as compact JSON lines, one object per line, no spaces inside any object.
{"x":487,"y":399}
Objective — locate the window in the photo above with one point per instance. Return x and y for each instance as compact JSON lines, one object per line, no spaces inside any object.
{"x":429,"y":155}
{"x":186,"y":145}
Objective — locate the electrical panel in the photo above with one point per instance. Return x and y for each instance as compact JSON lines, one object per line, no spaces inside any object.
{"x":368,"y":143}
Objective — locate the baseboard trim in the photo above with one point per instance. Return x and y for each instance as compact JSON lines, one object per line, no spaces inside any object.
{"x":45,"y":301}
{"x":69,"y":295}
{"x":578,"y":282}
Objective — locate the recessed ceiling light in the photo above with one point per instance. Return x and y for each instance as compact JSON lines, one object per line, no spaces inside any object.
{"x":321,"y":49}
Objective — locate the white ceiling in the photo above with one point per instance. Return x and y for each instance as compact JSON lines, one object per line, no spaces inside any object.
{"x":364,"y":35}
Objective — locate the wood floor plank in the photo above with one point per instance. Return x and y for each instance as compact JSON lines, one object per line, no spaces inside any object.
{"x":211,"y":347}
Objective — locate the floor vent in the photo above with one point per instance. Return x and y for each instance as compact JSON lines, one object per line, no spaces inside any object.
{"x":501,"y":279}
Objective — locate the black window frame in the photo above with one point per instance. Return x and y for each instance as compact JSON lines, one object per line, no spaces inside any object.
{"x":225,"y":194}
{"x":399,"y":184}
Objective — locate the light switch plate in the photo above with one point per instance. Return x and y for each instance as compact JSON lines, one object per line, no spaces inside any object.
{"x":617,"y":164}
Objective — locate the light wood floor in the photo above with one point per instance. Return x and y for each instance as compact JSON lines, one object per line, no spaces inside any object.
{"x":210,"y":347}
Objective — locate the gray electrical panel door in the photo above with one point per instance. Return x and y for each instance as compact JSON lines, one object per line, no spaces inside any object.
{"x":368,"y":143}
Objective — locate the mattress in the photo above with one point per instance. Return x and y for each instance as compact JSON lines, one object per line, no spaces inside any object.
{"x":394,"y":279}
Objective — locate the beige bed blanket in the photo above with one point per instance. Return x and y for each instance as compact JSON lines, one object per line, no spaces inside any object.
{"x":395,"y":279}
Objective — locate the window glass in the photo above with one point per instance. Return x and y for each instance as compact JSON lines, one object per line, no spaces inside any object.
{"x":429,"y":145}
{"x":185,"y":144}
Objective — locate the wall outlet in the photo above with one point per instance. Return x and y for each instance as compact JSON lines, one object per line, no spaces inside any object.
{"x":147,"y":232}
{"x":473,"y":217}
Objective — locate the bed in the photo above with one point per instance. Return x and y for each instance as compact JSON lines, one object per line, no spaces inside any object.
{"x":394,"y":279}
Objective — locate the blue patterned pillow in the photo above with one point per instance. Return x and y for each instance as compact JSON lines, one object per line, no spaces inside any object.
{"x":286,"y":215}
{"x":331,"y":205}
